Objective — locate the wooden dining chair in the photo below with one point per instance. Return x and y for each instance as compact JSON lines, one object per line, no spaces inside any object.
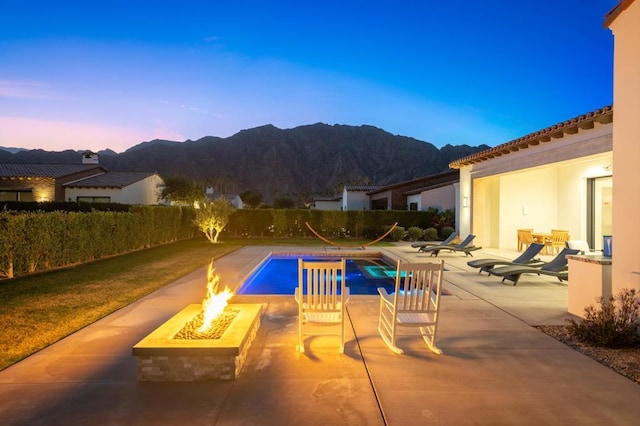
{"x":558,"y":240}
{"x":525,"y":238}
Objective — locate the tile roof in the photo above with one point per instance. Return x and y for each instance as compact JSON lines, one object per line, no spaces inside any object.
{"x":613,"y":13}
{"x":426,"y":188}
{"x":442,"y":178}
{"x":45,"y":170}
{"x":361,"y":188}
{"x":557,"y":131}
{"x":110,"y":180}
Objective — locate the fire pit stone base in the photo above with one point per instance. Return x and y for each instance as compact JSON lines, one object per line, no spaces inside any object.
{"x":161,"y":358}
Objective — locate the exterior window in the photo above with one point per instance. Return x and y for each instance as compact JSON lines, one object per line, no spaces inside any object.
{"x":93,"y":199}
{"x":413,"y":206}
{"x":16,"y":195}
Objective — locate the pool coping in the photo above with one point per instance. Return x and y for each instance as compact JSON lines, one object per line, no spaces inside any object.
{"x":325,"y":253}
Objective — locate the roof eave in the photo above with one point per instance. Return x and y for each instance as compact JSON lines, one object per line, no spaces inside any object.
{"x":557,"y":131}
{"x":613,"y":13}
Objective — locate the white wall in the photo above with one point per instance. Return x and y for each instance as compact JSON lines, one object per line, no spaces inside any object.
{"x":355,"y":200}
{"x":443,"y":198}
{"x":626,"y":149}
{"x":144,"y":191}
{"x":327,"y":204}
{"x":141,"y":192}
{"x":414,"y":198}
{"x":527,"y":200}
{"x":542,"y":187}
{"x":555,"y":197}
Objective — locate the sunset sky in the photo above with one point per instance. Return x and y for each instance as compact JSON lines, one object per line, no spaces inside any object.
{"x":96,"y":75}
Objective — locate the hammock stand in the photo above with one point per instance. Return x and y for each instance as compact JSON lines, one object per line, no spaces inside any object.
{"x":362,"y":246}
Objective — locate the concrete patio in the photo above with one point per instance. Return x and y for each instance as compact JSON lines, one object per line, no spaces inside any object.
{"x":496,"y":368}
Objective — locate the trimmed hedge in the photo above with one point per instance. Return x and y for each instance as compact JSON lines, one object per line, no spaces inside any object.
{"x":329,"y":223}
{"x":33,"y":241}
{"x":36,"y":241}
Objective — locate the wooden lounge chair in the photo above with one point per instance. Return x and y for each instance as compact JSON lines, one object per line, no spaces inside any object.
{"x":423,"y":244}
{"x":321,"y":295}
{"x":526,"y":258}
{"x":465,"y":246}
{"x":556,"y":268}
{"x":413,"y":304}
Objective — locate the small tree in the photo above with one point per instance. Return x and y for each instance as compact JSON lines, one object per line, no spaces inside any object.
{"x":211,"y":218}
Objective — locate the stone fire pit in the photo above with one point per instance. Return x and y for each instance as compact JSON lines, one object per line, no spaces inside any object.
{"x":162,"y":358}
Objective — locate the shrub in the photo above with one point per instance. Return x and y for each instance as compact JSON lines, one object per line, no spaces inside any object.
{"x":446,"y":231}
{"x":414,"y":233}
{"x":430,"y":234}
{"x":613,"y":325}
{"x":397,"y":234}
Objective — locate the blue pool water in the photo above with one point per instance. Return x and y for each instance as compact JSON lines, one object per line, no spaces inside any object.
{"x":280,"y":276}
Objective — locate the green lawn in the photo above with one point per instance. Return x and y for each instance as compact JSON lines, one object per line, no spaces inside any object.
{"x":41,"y":309}
{"x":38,"y":310}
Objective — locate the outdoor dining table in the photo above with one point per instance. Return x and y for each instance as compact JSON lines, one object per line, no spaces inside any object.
{"x":542,"y":238}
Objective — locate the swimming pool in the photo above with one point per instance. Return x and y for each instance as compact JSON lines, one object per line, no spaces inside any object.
{"x":279,"y":275}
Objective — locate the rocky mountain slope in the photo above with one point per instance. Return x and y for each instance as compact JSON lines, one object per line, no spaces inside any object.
{"x":307,"y":160}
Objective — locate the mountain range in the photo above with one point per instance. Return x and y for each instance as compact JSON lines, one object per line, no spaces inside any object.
{"x":300,"y":162}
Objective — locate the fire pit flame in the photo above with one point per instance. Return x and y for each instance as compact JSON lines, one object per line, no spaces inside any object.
{"x":215,"y":301}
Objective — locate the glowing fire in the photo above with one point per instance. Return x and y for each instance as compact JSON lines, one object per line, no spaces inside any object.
{"x":215,"y":301}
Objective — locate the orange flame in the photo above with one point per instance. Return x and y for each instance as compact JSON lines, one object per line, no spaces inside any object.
{"x":215,"y":301}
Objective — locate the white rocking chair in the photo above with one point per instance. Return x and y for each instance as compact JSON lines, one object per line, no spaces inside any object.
{"x":414,"y":303}
{"x":321,"y":295}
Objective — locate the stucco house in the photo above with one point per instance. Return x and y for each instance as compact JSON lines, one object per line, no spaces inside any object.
{"x":41,"y":182}
{"x":87,"y":182}
{"x":355,"y":197}
{"x":234,"y":199}
{"x":116,"y":187}
{"x":437,"y":190}
{"x":581,"y":175}
{"x":556,"y":178}
{"x":623,"y":21}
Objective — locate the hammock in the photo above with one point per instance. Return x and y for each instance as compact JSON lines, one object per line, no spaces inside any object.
{"x":350,"y":245}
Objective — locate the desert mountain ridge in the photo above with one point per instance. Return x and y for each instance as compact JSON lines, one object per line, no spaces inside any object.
{"x":305,"y":161}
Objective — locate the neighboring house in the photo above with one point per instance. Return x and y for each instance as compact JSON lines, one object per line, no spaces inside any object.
{"x":581,"y":175}
{"x":355,"y":197}
{"x":556,"y":178}
{"x":624,"y":22}
{"x":41,"y":182}
{"x":116,"y":187}
{"x":234,"y":199}
{"x":77,"y":182}
{"x":330,"y":203}
{"x":437,"y":190}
